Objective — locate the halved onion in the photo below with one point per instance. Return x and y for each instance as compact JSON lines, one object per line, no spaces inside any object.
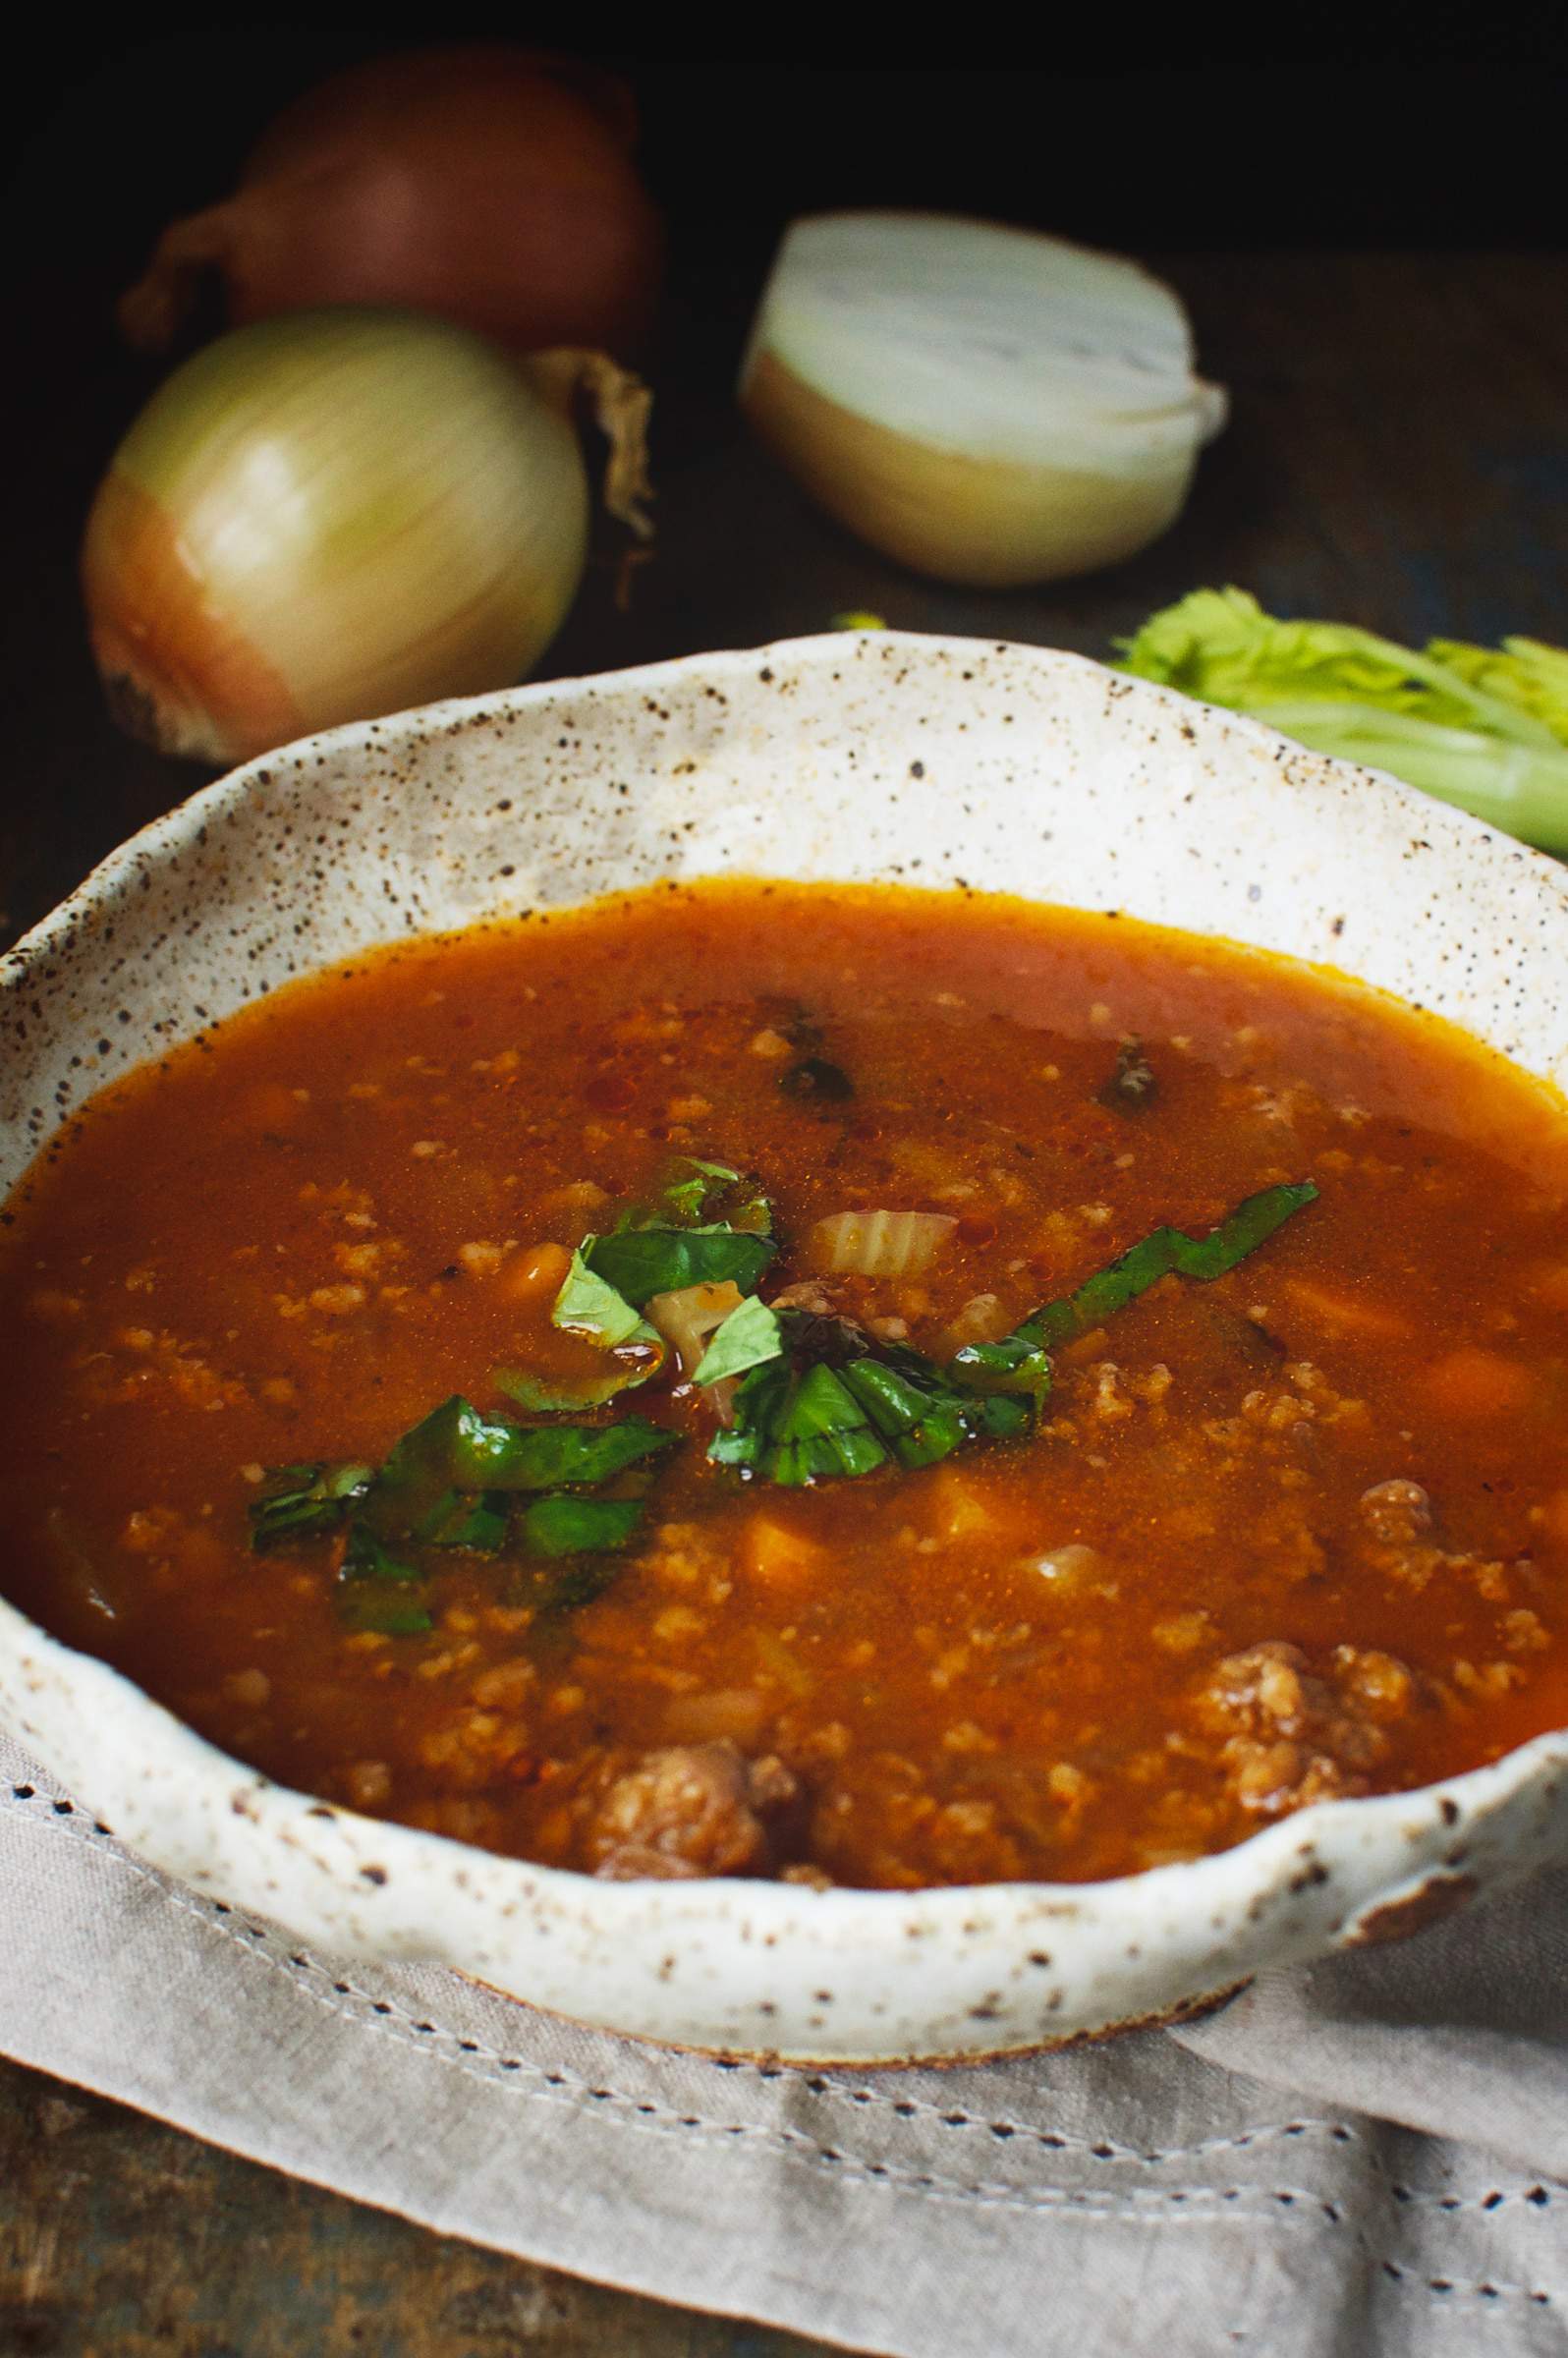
{"x":987,"y":404}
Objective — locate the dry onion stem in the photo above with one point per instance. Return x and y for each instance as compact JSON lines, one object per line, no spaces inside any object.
{"x":622,"y":405}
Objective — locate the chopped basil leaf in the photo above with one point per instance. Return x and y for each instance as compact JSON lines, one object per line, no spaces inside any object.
{"x":798,"y":1429}
{"x":698,"y":1194}
{"x":367,"y":1558}
{"x":795,"y":1420}
{"x":450,"y":1483}
{"x":301,"y":1502}
{"x":685,"y":1199}
{"x":613,"y":1278}
{"x":1018,"y":1360}
{"x":1249,"y":1225}
{"x":815,"y":1078}
{"x":378,"y":1590}
{"x":457,"y":1521}
{"x":549,"y":1395}
{"x":759,"y":1401}
{"x":750,"y":1214}
{"x":1017,"y":1363}
{"x":458,"y":1449}
{"x":749,"y":1337}
{"x":1170,"y":1250}
{"x":587,"y":1305}
{"x":574,"y":1580}
{"x":640,"y":1262}
{"x":923,"y":1425}
{"x":999,"y":1416}
{"x":288,"y":1481}
{"x":456,"y":1440}
{"x":796,"y":1424}
{"x":453,"y":1448}
{"x":549,"y":1457}
{"x":1133,"y":1086}
{"x":711,"y":1191}
{"x":917,"y":1407}
{"x":824,"y":1431}
{"x":391,"y":1614}
{"x":662,"y":1248}
{"x":568,"y":1526}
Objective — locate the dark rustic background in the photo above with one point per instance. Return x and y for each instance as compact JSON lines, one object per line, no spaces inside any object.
{"x":1433,"y":135}
{"x":1372,"y":252}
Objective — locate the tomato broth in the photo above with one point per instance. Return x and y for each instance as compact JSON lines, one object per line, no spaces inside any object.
{"x":865,"y":1385}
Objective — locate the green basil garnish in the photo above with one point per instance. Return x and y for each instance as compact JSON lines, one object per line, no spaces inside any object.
{"x":640,"y":1262}
{"x":568,"y":1526}
{"x":301,"y":1502}
{"x":1014,"y":1362}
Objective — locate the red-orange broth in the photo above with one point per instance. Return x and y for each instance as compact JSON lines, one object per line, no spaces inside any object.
{"x":1299,"y":1532}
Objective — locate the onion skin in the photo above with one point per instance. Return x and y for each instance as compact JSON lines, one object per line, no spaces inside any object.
{"x":490,"y":186}
{"x":324,"y":518}
{"x":980,"y":523}
{"x":176,"y":670}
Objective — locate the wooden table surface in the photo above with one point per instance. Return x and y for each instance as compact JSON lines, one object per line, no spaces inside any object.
{"x":1398,"y":456}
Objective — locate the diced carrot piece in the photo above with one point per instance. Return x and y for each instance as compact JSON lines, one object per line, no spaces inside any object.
{"x":1554,"y":1518}
{"x":1347,"y":1313}
{"x":735,"y":1714}
{"x":537,"y":1271}
{"x":1473,"y":1381}
{"x":1548,"y":1282}
{"x":959,"y":1507}
{"x":776,"y":1556}
{"x":1085,"y":1349}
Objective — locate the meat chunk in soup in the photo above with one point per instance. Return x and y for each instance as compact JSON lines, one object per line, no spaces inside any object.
{"x":691,"y":1809}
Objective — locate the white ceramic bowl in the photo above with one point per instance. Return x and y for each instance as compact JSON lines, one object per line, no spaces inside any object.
{"x":876,"y":756}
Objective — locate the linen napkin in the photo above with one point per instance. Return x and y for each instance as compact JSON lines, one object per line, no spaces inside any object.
{"x":1359,"y":2160}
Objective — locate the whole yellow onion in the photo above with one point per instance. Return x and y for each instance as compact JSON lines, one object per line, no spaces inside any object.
{"x":336,"y":514}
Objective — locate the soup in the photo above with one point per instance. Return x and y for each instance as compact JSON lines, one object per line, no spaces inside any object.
{"x":870,"y":1386}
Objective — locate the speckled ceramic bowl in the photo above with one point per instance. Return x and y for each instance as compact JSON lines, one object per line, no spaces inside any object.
{"x":847,"y":756}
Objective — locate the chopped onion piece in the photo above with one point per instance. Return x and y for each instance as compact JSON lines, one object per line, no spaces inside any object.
{"x":1065,"y":1567}
{"x":878,"y":1244}
{"x":979,"y":1319}
{"x":691,"y":1315}
{"x":989,"y":406}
